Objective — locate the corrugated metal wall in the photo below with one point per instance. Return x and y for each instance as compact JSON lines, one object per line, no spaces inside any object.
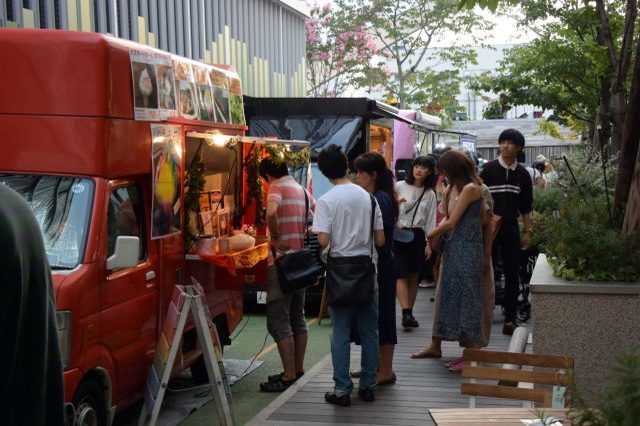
{"x":263,"y":39}
{"x":530,"y":152}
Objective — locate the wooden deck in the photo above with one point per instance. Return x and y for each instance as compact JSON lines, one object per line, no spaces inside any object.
{"x":421,"y":384}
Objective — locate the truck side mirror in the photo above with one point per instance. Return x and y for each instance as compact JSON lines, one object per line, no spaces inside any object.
{"x":126,"y":253}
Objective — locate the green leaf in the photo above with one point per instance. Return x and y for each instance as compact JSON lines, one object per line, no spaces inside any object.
{"x":462,"y":3}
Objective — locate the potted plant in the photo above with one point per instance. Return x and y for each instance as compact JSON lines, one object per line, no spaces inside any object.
{"x":585,"y":288}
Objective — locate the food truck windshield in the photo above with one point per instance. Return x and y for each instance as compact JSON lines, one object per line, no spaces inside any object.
{"x":62,"y":207}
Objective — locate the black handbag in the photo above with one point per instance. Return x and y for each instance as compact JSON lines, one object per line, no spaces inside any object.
{"x":350,"y":280}
{"x":298,"y":270}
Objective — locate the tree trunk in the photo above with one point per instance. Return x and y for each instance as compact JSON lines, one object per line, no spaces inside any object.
{"x":401,"y":94}
{"x":628,"y":158}
{"x":632,"y":215}
{"x":617,"y":109}
{"x":603,"y":117}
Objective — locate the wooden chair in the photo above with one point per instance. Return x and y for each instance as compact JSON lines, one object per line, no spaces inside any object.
{"x":508,"y":380}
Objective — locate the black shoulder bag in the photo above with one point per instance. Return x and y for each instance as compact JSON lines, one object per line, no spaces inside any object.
{"x":350,"y":280}
{"x":298,"y":270}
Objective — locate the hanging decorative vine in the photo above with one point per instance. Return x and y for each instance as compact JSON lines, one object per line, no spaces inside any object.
{"x":194,"y":185}
{"x":255,"y":189}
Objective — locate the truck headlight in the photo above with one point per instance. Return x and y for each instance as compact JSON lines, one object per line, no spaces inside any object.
{"x":63,"y":318}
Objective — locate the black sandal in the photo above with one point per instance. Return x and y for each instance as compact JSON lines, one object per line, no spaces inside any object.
{"x":277,"y":385}
{"x":279,"y":376}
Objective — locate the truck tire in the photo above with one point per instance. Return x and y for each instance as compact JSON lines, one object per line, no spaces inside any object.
{"x":89,"y":403}
{"x":198,"y":369}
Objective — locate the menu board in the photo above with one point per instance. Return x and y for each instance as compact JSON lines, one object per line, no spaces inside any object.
{"x":237,"y":107}
{"x":186,"y":89}
{"x":220,"y":83}
{"x":153,"y":85}
{"x":166,"y":155}
{"x":166,"y":86}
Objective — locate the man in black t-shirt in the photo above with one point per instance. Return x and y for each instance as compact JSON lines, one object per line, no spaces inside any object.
{"x":511,"y":189}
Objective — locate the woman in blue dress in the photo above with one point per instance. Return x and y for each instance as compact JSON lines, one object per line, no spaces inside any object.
{"x":374,"y":176}
{"x":460,"y":293}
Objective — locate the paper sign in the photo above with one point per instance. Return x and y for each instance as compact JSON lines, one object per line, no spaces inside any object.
{"x":153,"y":85}
{"x":166,"y":162}
{"x":557,"y":399}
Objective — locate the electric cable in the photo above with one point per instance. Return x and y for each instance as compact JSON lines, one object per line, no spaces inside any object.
{"x":253,"y":360}
{"x":237,"y":333}
{"x":208,"y":385}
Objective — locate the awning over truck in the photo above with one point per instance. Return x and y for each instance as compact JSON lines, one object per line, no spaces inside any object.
{"x":321,"y":121}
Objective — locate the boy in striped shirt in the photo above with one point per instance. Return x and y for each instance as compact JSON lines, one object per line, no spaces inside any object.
{"x":287,"y":224}
{"x":512,"y":192}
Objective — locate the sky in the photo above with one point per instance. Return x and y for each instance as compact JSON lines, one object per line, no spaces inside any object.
{"x":504,"y":32}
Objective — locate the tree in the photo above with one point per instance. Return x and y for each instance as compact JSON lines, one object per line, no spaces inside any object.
{"x":339,"y":53}
{"x":404,"y":31}
{"x":601,"y":45}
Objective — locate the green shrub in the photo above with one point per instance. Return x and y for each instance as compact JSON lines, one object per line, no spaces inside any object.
{"x":573,"y":227}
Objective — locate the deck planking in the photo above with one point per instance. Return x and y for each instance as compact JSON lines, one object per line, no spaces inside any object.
{"x":421,"y":383}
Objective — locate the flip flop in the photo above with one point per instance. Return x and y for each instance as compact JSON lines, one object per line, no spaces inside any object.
{"x":457,"y":366}
{"x":426,"y":354}
{"x":453,"y":361}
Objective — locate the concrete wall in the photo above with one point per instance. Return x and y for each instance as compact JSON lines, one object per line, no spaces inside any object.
{"x":593,"y":322}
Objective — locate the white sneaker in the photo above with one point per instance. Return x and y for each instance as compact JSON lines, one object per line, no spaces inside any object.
{"x":426,"y":284}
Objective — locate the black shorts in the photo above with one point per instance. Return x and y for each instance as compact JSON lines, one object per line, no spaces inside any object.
{"x":410,"y":256}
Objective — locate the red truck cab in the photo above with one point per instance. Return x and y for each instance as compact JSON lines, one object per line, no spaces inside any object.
{"x":73,"y":148}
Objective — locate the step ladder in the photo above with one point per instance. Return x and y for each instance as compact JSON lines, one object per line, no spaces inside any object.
{"x":185,"y":300}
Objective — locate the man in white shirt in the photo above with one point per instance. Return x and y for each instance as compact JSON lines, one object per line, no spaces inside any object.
{"x":342,"y":221}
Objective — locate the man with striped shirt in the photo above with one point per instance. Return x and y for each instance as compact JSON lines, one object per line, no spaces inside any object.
{"x":512,"y":192}
{"x":287,"y":224}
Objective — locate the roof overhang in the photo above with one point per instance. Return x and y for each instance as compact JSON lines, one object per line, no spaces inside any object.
{"x":296,"y":6}
{"x":218,"y":139}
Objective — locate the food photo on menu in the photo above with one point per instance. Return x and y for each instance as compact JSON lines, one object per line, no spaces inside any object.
{"x":144,"y":85}
{"x":187,"y":104}
{"x":166,"y":87}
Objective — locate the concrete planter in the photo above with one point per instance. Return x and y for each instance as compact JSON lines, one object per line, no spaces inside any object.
{"x":593,"y":322}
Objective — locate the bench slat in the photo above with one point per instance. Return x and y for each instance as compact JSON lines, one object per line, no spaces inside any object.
{"x":552,"y":361}
{"x":538,"y":377}
{"x":508,"y":392}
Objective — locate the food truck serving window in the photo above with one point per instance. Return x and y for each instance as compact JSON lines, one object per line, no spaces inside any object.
{"x":62,"y":207}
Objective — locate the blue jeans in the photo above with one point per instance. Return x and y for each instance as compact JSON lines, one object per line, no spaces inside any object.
{"x":341,"y":319}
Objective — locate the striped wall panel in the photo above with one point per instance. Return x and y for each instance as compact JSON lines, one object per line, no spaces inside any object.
{"x":263,"y":39}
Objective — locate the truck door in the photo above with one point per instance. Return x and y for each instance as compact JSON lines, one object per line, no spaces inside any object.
{"x":129,"y":295}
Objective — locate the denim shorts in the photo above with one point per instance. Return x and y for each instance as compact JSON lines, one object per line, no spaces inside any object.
{"x":285,"y":312}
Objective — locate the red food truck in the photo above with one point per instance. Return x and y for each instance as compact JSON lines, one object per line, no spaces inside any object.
{"x":101,"y":136}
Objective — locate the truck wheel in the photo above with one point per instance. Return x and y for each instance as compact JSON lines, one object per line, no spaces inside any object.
{"x":198,"y":369}
{"x":89,"y":403}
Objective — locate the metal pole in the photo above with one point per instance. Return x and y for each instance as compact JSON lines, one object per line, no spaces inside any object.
{"x":566,"y":161}
{"x":606,"y":187}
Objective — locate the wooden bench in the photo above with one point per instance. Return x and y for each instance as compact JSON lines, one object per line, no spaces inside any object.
{"x":509,"y":381}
